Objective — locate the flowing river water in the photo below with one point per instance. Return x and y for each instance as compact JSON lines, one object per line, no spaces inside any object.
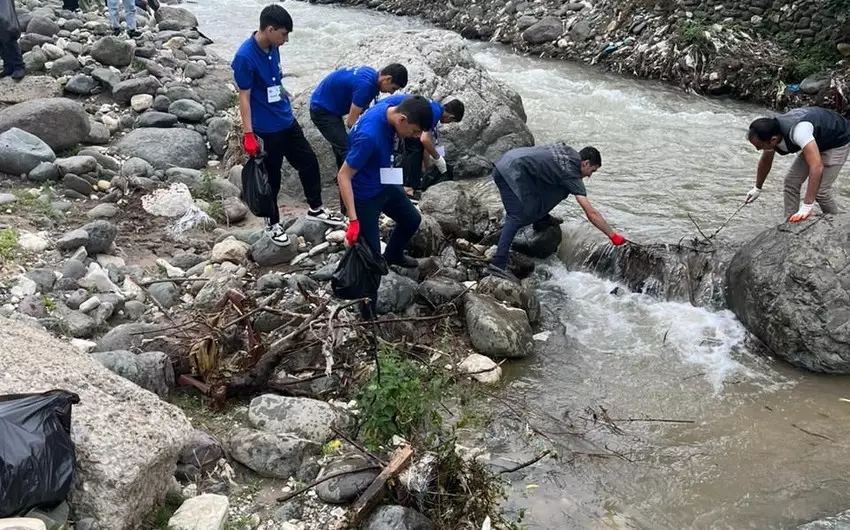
{"x":768,"y":444}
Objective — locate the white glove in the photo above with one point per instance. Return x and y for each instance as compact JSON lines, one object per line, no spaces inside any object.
{"x":753,"y":194}
{"x":804,"y":213}
{"x":441,"y":165}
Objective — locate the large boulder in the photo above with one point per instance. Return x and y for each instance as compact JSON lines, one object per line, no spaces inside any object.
{"x":150,"y":370}
{"x":540,"y":244}
{"x":838,"y":522}
{"x":21,"y":152}
{"x":166,"y":148}
{"x":126,"y":439}
{"x":548,"y":29}
{"x":440,"y":67}
{"x":497,"y":330}
{"x":59,"y":122}
{"x":397,"y":518}
{"x":305,"y":418}
{"x":124,"y":91}
{"x":790,"y":287}
{"x":458,"y":208}
{"x":512,"y":294}
{"x":175,"y":18}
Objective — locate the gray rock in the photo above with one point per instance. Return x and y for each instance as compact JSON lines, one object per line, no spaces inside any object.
{"x":814,"y":84}
{"x":106,"y":77}
{"x":214,"y":291}
{"x":539,"y":245}
{"x":78,"y":165}
{"x":134,"y":310}
{"x":270,"y":454}
{"x":270,"y":282}
{"x":33,"y":305}
{"x":325,"y":273}
{"x":43,"y":26}
{"x":59,"y":122}
{"x":74,"y":269}
{"x":66,"y":284}
{"x":790,"y":287}
{"x":21,"y":152}
{"x":186,"y":261}
{"x":194,"y":50}
{"x":73,"y":240}
{"x":439,"y":291}
{"x":223,"y":188}
{"x":218,"y":94}
{"x":150,"y":370}
{"x":29,"y":41}
{"x":102,"y":313}
{"x":34,"y":60}
{"x":175,"y":18}
{"x":112,"y":51}
{"x":288,"y":511}
{"x":526,"y":21}
{"x":166,"y":293}
{"x":155,"y":119}
{"x":64,"y":66}
{"x":103,"y":211}
{"x":348,"y":488}
{"x":266,"y":254}
{"x":202,"y":451}
{"x":581,"y":31}
{"x":194,"y":70}
{"x":161,"y":103}
{"x":43,"y":278}
{"x":99,"y":134}
{"x":397,"y":518}
{"x":396,"y":293}
{"x":217,"y":132}
{"x":512,"y":294}
{"x":206,"y":511}
{"x":496,"y":330}
{"x":187,"y":110}
{"x":838,"y":522}
{"x":78,"y":325}
{"x":135,"y":168}
{"x":165,"y":148}
{"x":81,"y":85}
{"x":189,"y":177}
{"x":124,"y":91}
{"x":77,"y":298}
{"x":428,"y":239}
{"x":128,"y":337}
{"x":43,"y":172}
{"x":235,"y":211}
{"x":547,"y":30}
{"x":101,"y":235}
{"x":178,"y":92}
{"x":305,"y":418}
{"x":457,"y":207}
{"x":311,"y":230}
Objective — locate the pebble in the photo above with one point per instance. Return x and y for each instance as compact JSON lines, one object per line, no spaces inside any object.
{"x":34,"y":243}
{"x":90,"y":305}
{"x":85,"y":346}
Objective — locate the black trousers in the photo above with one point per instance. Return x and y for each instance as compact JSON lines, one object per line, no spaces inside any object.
{"x":292,"y":145}
{"x":414,"y":153}
{"x":10,"y":52}
{"x":71,"y":5}
{"x":333,"y":129}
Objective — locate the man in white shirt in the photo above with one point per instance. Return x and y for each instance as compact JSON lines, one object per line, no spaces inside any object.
{"x":822,"y":137}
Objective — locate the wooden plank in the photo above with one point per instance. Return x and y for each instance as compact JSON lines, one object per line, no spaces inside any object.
{"x":375,"y":492}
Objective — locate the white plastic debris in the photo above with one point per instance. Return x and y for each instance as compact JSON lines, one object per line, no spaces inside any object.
{"x":173,"y":201}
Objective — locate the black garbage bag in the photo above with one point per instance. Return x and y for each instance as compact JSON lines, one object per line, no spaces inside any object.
{"x":10,"y":28}
{"x":256,"y":190}
{"x":359,"y":272}
{"x":36,"y":452}
{"x":433,"y":176}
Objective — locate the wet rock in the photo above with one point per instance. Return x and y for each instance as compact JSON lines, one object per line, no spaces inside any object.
{"x":124,"y":91}
{"x":481,"y":368}
{"x":396,"y":293}
{"x":496,"y":330}
{"x":438,"y":290}
{"x":512,"y":294}
{"x":838,"y":522}
{"x":21,"y":152}
{"x":217,"y":132}
{"x":154,"y":119}
{"x":789,"y":287}
{"x":187,"y":110}
{"x":270,"y":454}
{"x":231,"y":250}
{"x":150,"y":370}
{"x":309,"y":419}
{"x":81,"y":85}
{"x":204,"y":512}
{"x":536,"y":244}
{"x":547,"y":30}
{"x":428,"y":238}
{"x":112,"y":51}
{"x":457,"y":208}
{"x":266,"y":254}
{"x":164,"y":148}
{"x":397,"y":518}
{"x":347,"y":488}
{"x":59,"y":122}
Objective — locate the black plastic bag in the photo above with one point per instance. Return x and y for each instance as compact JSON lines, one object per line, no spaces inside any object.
{"x":36,"y":452}
{"x":359,"y":272}
{"x":10,"y":28}
{"x":433,"y":176}
{"x":256,"y":190}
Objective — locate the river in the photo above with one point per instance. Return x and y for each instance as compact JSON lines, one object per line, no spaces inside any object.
{"x":765,"y":445}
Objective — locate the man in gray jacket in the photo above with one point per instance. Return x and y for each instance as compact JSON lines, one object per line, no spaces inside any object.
{"x":822,"y":137}
{"x":532,"y":181}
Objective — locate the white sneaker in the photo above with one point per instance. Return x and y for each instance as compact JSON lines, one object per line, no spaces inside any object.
{"x":277,"y":235}
{"x":323,"y":215}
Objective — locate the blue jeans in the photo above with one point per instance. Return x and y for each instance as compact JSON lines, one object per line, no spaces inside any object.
{"x":129,"y":13}
{"x":514,"y":220}
{"x":394,"y":203}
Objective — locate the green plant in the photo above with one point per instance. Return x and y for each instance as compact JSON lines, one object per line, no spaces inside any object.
{"x":240,"y":523}
{"x":215,"y":209}
{"x":205,"y":188}
{"x":26,"y":201}
{"x":8,"y":243}
{"x":694,"y":33}
{"x":162,"y":514}
{"x":809,"y":60}
{"x":48,"y":302}
{"x":400,"y":399}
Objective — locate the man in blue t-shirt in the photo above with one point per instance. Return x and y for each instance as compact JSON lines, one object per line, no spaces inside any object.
{"x":415,"y":148}
{"x":350,"y":91}
{"x":267,"y":113}
{"x":367,"y":180}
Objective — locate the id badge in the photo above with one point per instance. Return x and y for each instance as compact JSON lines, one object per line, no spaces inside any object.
{"x":392,"y":176}
{"x":441,"y":151}
{"x":273,"y":93}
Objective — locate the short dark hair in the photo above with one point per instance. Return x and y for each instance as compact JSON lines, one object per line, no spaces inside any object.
{"x":397,"y":72}
{"x":455,"y":108}
{"x":276,"y":17}
{"x":764,"y":129}
{"x":592,"y":155}
{"x":418,"y":111}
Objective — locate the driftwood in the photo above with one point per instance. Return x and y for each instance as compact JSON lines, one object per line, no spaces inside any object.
{"x":375,"y":492}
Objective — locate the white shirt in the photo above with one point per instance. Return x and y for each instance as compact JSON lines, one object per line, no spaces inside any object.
{"x":802,"y":135}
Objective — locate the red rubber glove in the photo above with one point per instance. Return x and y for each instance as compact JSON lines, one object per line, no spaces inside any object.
{"x":617,"y":239}
{"x":353,"y":232}
{"x":249,"y":142}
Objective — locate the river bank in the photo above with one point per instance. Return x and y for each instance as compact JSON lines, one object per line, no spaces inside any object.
{"x":773,"y":54}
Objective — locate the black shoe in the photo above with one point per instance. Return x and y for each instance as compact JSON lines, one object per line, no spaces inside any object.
{"x":134,"y":34}
{"x":18,"y":74}
{"x":501,"y":273}
{"x":405,"y":261}
{"x":415,"y":196}
{"x":5,"y":73}
{"x":116,"y":31}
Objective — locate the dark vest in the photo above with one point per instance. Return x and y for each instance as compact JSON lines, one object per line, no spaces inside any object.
{"x":831,"y":129}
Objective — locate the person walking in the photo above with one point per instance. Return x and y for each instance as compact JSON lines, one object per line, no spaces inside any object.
{"x":114,"y":7}
{"x":10,"y":50}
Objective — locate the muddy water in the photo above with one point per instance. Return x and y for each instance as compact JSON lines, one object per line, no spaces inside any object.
{"x":765,"y":446}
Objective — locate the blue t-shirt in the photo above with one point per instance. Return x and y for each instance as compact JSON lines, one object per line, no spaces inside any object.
{"x":370,"y":147}
{"x":436,"y":109}
{"x":337,"y":91}
{"x":258,"y":71}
